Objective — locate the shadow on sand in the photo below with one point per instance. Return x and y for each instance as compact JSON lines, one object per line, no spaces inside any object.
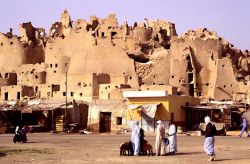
{"x":2,"y":154}
{"x":31,"y":142}
{"x":25,"y":142}
{"x":229,"y":159}
{"x":182,"y":153}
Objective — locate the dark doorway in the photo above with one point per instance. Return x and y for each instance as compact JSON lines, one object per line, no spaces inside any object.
{"x":190,"y":77}
{"x":191,"y":89}
{"x":83,"y":115}
{"x":18,"y":96}
{"x":195,"y":116}
{"x":6,"y":96}
{"x":39,"y":120}
{"x":105,"y":122}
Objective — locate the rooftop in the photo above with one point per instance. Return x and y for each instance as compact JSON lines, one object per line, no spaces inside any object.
{"x":152,"y":93}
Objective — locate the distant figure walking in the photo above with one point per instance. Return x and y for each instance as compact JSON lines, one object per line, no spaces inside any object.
{"x":172,"y":138}
{"x":209,"y":142}
{"x":159,"y":141}
{"x":135,"y":138}
{"x":244,"y":127}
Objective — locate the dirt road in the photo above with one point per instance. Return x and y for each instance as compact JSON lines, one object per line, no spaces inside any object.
{"x":104,"y":148}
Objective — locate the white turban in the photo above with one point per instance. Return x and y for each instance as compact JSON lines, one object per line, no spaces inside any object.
{"x":159,"y":122}
{"x":136,"y":123}
{"x":207,"y":119}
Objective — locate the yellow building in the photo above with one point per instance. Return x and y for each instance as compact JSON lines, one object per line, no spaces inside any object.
{"x":149,"y":106}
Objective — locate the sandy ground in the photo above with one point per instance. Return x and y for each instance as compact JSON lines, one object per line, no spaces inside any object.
{"x":104,"y":148}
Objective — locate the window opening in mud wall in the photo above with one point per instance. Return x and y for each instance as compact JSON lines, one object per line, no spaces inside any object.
{"x":55,"y":87}
{"x":118,"y":120}
{"x":113,"y":34}
{"x":189,"y":67}
{"x":191,"y":83}
{"x":191,"y":76}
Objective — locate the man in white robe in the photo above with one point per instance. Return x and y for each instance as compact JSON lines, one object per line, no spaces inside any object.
{"x":209,"y":142}
{"x":172,"y":139}
{"x":135,"y":138}
{"x":17,"y":129}
{"x":159,"y":141}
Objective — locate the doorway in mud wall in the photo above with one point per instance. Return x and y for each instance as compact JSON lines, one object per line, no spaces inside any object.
{"x":105,"y":122}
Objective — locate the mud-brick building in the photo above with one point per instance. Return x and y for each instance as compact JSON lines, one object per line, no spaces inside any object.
{"x":95,"y":60}
{"x":106,"y":115}
{"x":16,"y":92}
{"x":149,"y":106}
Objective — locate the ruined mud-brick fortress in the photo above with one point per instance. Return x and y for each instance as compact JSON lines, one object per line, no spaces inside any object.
{"x":96,"y":60}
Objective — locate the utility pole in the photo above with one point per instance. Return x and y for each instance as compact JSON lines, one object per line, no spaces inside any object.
{"x":66,"y":98}
{"x":245,"y":102}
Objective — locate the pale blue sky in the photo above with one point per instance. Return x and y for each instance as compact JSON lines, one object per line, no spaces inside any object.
{"x":229,"y":18}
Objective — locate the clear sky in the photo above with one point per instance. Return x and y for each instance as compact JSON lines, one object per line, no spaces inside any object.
{"x":229,"y":18}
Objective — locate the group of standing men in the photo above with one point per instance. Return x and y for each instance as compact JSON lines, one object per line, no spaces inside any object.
{"x":171,"y":140}
{"x":160,"y":141}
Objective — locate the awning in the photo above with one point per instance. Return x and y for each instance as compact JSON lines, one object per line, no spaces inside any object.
{"x":27,"y":110}
{"x":36,"y":105}
{"x":143,"y":94}
{"x":68,"y":106}
{"x":9,"y":109}
{"x":41,"y":107}
{"x":148,"y":109}
{"x":34,"y":102}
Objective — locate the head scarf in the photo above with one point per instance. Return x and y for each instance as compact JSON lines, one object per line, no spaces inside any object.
{"x":159,"y":122}
{"x":207,"y":119}
{"x":136,"y":123}
{"x":136,"y":128}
